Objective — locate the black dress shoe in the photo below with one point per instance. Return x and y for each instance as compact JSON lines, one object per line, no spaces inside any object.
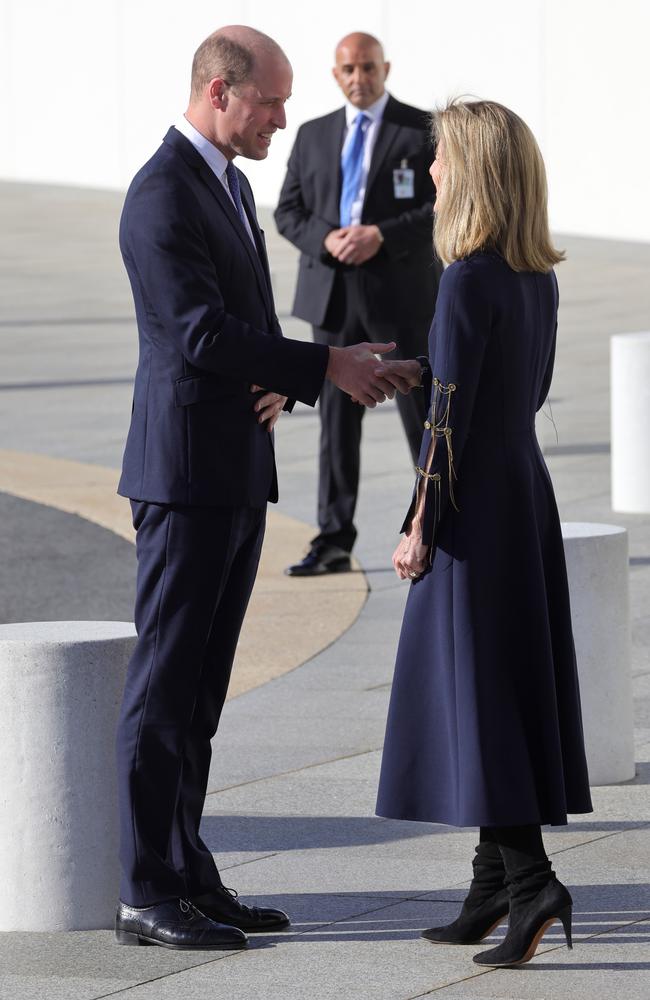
{"x":321,"y":559}
{"x":223,"y":905}
{"x":175,"y":923}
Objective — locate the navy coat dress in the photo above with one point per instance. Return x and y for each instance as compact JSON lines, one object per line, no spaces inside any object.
{"x":484,"y":726}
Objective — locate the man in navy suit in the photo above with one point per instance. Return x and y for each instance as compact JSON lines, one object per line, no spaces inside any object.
{"x":199,"y":469}
{"x":357,"y":201}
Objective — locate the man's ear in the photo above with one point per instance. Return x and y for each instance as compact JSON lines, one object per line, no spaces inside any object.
{"x":218,"y":93}
{"x":386,"y":70}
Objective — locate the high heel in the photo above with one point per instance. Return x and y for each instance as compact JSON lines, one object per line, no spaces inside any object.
{"x":565,"y":916}
{"x":472,"y":923}
{"x":528,"y":923}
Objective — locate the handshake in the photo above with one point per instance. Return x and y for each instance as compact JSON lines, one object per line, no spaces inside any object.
{"x":357,"y":371}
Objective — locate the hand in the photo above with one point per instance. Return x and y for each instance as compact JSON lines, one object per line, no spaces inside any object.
{"x":410,"y":556}
{"x":352,"y":369}
{"x":404,"y":375}
{"x":354,"y":244}
{"x":332,"y":241}
{"x":268,"y":407}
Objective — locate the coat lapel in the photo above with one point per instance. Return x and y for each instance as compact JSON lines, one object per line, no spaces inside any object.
{"x":332,"y":144}
{"x":388,"y":131}
{"x":259,"y":239}
{"x":230,"y":212}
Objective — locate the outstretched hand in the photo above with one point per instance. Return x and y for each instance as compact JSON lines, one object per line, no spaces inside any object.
{"x":353,"y":369}
{"x":404,"y":375}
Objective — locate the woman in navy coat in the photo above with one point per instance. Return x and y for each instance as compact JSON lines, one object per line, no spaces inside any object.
{"x":484,"y":727}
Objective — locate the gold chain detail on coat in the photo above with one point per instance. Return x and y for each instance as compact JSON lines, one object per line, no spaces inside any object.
{"x":438,"y":424}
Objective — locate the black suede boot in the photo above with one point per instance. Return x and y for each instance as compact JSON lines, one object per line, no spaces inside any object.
{"x":537,"y":898}
{"x":485,"y":905}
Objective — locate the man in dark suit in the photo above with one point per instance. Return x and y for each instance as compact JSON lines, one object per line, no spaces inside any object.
{"x":357,"y":202}
{"x":199,"y":469}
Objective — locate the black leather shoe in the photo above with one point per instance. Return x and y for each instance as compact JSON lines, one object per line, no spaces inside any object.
{"x":175,"y":923}
{"x":321,"y":559}
{"x":223,"y":905}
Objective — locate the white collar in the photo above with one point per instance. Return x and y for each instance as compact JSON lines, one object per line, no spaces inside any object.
{"x":375,"y":112}
{"x":212,"y":156}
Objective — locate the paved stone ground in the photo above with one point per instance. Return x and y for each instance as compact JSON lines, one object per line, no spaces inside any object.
{"x":290,"y":809}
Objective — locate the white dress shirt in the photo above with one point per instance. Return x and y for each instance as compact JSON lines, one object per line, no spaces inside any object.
{"x":375,"y":113}
{"x":214,"y":159}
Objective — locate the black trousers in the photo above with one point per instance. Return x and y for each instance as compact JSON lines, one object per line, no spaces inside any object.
{"x":348,"y":322}
{"x":196,"y":569}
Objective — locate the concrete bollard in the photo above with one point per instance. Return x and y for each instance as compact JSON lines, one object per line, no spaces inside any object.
{"x":60,"y":689}
{"x":630,"y":420}
{"x":597,"y":567}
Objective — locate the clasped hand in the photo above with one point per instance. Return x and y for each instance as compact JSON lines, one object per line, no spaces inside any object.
{"x":353,"y":244}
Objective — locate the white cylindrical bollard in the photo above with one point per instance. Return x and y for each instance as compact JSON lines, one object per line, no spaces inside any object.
{"x":60,"y":689}
{"x":597,"y":568}
{"x":630,"y":419}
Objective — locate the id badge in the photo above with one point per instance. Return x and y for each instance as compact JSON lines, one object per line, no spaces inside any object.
{"x":404,"y":181}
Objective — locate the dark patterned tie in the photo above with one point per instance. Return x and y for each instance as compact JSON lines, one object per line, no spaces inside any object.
{"x":233,"y":185}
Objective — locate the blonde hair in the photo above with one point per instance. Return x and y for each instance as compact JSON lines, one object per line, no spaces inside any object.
{"x":494,"y":194}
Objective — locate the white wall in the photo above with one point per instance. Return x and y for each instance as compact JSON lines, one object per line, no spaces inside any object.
{"x":88,"y":89}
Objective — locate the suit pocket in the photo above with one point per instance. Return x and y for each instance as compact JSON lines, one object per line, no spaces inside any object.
{"x":192,"y":389}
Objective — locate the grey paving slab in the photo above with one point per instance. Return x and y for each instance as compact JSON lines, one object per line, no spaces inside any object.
{"x":614,"y":964}
{"x":81,"y":965}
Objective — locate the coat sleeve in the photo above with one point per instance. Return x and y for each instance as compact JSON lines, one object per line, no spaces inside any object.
{"x":548,"y":373}
{"x":295,"y":221}
{"x":463,"y":322}
{"x":165,"y":249}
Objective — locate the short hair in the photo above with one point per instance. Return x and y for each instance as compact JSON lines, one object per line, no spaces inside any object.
{"x":494,"y":194}
{"x":220,"y":56}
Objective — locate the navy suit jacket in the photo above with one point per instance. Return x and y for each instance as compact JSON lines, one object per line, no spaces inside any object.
{"x":399,"y":282}
{"x":207,"y":330}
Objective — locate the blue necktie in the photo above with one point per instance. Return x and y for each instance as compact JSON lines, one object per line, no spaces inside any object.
{"x":233,"y":185}
{"x":352,"y":167}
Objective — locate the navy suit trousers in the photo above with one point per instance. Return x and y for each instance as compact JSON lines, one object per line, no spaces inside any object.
{"x":196,"y":569}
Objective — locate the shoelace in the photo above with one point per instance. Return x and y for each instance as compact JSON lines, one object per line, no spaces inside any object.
{"x":253,"y":911}
{"x":188,"y":909}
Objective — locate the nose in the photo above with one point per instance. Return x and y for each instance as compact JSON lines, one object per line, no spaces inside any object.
{"x":280,"y":117}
